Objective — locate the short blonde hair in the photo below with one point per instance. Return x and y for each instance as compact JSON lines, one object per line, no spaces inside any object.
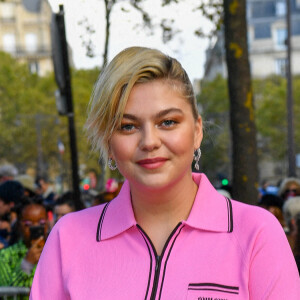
{"x":110,"y":95}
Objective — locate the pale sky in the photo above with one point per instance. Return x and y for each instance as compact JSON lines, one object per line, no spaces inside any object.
{"x":186,"y":47}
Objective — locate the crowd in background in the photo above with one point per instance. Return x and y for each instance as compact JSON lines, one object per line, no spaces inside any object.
{"x":29,"y":208}
{"x":283,"y":201}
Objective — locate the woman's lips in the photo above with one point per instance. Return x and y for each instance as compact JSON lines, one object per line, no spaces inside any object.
{"x":152,"y":163}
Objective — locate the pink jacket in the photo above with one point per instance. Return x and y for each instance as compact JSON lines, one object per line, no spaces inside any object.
{"x":224,"y":250}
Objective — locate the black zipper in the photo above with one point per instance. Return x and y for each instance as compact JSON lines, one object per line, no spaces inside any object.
{"x":156,"y":276}
{"x":158,"y":258}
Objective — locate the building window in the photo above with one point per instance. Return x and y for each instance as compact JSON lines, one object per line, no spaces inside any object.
{"x":263,"y":9}
{"x":31,"y":42}
{"x":7,"y":10}
{"x":9,"y":43}
{"x":280,"y":66}
{"x":295,"y":27}
{"x":280,"y":8}
{"x":33,"y":67}
{"x":249,"y":11}
{"x":262,"y":31}
{"x":281,"y":35}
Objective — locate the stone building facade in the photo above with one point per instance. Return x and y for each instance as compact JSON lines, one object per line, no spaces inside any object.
{"x":25,"y":33}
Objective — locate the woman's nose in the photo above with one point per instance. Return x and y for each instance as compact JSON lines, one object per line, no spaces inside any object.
{"x":150,"y":138}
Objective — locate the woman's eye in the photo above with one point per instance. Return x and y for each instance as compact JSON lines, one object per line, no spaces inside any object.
{"x":127,"y":127}
{"x":168,"y":123}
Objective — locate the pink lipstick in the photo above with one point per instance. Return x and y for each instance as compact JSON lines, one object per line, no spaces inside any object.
{"x":152,"y":163}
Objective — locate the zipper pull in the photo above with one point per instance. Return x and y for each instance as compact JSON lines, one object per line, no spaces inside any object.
{"x":157,"y":262}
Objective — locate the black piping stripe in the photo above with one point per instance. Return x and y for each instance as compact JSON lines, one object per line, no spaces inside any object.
{"x":227,"y":214}
{"x":150,"y":271}
{"x":230,"y":219}
{"x":157,"y":262}
{"x":99,"y":227}
{"x":215,"y":290}
{"x":148,"y":239}
{"x":165,"y":266}
{"x":206,"y":284}
{"x":157,"y":272}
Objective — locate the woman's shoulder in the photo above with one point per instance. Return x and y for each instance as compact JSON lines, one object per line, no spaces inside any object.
{"x":253,"y":216}
{"x":254,"y":225}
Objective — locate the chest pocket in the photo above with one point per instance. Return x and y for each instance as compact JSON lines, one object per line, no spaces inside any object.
{"x":212,"y":291}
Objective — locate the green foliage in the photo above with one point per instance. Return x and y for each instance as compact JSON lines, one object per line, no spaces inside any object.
{"x":27,"y":113}
{"x":216,"y":142}
{"x":271,"y":120}
{"x":29,"y":120}
{"x":270,"y":116}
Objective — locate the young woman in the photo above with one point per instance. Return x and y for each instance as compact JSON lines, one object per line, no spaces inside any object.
{"x":168,"y":234}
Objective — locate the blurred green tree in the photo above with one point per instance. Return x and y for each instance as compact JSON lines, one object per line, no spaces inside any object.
{"x":271,"y":120}
{"x":270,"y":95}
{"x":214,"y":103}
{"x":30,"y":126}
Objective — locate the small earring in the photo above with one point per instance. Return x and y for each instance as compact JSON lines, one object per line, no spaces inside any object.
{"x":111,"y":166}
{"x":197,"y":158}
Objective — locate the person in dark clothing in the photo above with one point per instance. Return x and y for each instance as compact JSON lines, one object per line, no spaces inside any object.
{"x":45,"y":190}
{"x":297,"y":242}
{"x":11,"y":193}
{"x":291,"y":211}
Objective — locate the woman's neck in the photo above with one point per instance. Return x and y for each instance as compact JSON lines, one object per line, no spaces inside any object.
{"x":158,"y":212}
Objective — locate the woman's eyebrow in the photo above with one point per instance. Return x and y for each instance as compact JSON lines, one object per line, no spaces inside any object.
{"x":168,"y":111}
{"x":130,"y":117}
{"x":160,"y":114}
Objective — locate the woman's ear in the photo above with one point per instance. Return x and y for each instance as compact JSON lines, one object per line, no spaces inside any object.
{"x":109,"y":152}
{"x":198,"y":133}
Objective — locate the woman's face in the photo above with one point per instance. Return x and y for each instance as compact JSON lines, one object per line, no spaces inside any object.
{"x":154,"y":146}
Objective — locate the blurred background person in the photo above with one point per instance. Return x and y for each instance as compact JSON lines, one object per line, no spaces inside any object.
{"x":18,"y":262}
{"x":11,"y":194}
{"x":291,"y":212}
{"x":45,"y":190}
{"x":7,"y":172}
{"x":28,"y":183}
{"x":297,"y":242}
{"x":267,"y":188}
{"x":112,"y":189}
{"x":273,"y":204}
{"x":289,"y":187}
{"x":64,"y":205}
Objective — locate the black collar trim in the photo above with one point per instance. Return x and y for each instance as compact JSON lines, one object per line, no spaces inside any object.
{"x":230,"y":218}
{"x":100,"y":223}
